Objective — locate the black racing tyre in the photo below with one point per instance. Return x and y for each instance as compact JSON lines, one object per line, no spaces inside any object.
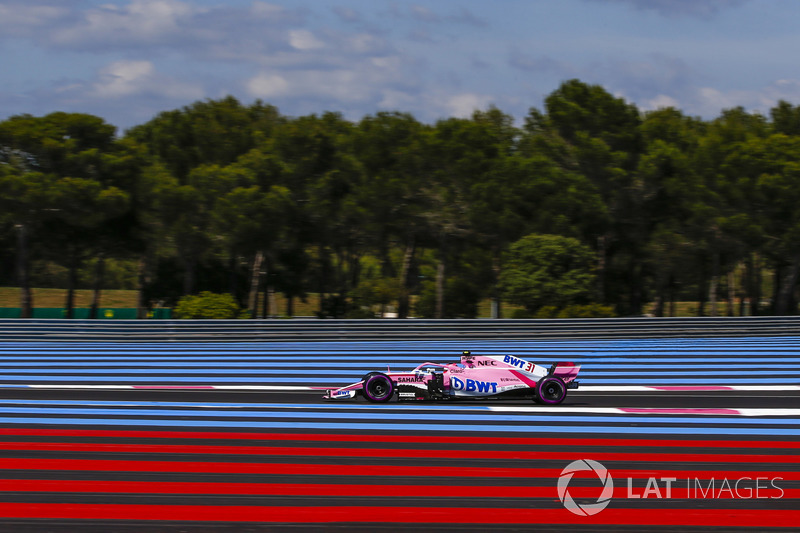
{"x":365,"y":378}
{"x":377,"y":388}
{"x":551,"y":390}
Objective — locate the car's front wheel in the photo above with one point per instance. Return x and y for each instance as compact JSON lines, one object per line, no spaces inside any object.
{"x":551,"y":390}
{"x":378,"y":388}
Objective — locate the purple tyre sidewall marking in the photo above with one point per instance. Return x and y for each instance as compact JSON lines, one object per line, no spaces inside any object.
{"x":543,"y":383}
{"x":368,"y":383}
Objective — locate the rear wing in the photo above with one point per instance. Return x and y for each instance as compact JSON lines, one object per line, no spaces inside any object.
{"x":565,"y":370}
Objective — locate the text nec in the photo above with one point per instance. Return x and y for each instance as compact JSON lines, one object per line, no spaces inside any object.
{"x":472,"y":385}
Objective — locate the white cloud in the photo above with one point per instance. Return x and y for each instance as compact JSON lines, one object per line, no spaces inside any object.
{"x":788,"y":90}
{"x":365,"y":43}
{"x":140,"y":27}
{"x":333,"y":85}
{"x":710,"y":101}
{"x":304,"y":40}
{"x":704,"y":9}
{"x":23,"y":19}
{"x":265,"y":10}
{"x":539,"y":64}
{"x":131,"y":78}
{"x":267,"y":86}
{"x":425,"y":15}
{"x":159,"y":15}
{"x":340,"y":83}
{"x":396,"y":100}
{"x":389,"y":63}
{"x":124,"y":78}
{"x":661,"y":101}
{"x":346,"y":14}
{"x":140,"y":21}
{"x":710,"y":98}
{"x":463,"y":105}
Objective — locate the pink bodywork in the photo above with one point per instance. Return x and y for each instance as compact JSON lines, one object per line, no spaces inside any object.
{"x":473,"y":376}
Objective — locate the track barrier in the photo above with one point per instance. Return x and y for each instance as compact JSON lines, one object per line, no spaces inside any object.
{"x":391,"y":329}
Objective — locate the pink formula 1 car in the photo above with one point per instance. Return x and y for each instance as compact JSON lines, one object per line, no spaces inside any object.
{"x":476,"y":376}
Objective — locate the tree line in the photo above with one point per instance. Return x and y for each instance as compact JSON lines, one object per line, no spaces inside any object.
{"x":589,"y":208}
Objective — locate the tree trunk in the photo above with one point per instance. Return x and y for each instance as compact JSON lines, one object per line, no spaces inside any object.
{"x":265,"y":303}
{"x":742,"y":304}
{"x":387,"y":268}
{"x":712,"y":287}
{"x":637,"y":290}
{"x":141,"y":304}
{"x":441,"y":273}
{"x":784,"y":304}
{"x":255,"y":275}
{"x":269,"y":307}
{"x":72,"y":281}
{"x":497,"y":311}
{"x":190,"y":268}
{"x":702,"y":295}
{"x":265,"y":306}
{"x":290,"y":306}
{"x":731,"y":293}
{"x":756,"y":305}
{"x":659,"y":309}
{"x":712,"y":296}
{"x":776,"y":287}
{"x":272,"y":303}
{"x":99,"y":274}
{"x":233,"y":285}
{"x":440,"y":286}
{"x":23,"y":270}
{"x":339,"y":275}
{"x":403,"y":302}
{"x":749,"y":283}
{"x":354,"y":261}
{"x":323,"y":279}
{"x":141,"y":281}
{"x":672,"y":291}
{"x":601,"y":268}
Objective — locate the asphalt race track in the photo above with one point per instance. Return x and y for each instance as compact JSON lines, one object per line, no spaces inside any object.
{"x":670,"y":434}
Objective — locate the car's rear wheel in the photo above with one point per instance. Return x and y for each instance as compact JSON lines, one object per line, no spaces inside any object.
{"x":551,"y":390}
{"x":377,"y":388}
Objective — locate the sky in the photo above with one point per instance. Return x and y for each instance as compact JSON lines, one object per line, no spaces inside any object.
{"x":128,"y":60}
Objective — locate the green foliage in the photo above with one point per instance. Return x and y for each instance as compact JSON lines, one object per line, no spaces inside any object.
{"x":593,"y":310}
{"x":521,"y":313}
{"x":461,"y":299}
{"x":208,"y":305}
{"x":620,"y":207}
{"x":376,"y":292}
{"x":545,"y":270}
{"x":208,"y":132}
{"x":587,"y":311}
{"x":546,"y":311}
